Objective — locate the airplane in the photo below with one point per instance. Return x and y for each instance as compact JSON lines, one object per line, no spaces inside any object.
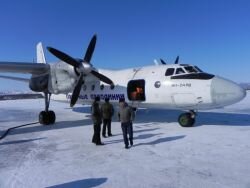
{"x":168,"y":86}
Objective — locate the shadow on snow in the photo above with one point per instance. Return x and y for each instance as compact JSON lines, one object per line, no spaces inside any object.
{"x":171,"y":116}
{"x":147,"y":136}
{"x":146,"y":116}
{"x":161,"y":140}
{"x":20,"y":141}
{"x":57,"y":125}
{"x":86,"y":183}
{"x":203,"y":118}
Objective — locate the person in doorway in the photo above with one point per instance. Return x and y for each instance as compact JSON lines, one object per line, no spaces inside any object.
{"x":107,"y":113}
{"x":97,"y":121}
{"x":126,"y":117}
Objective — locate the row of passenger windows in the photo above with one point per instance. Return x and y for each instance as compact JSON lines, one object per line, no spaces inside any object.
{"x":101,"y":87}
{"x":182,"y":70}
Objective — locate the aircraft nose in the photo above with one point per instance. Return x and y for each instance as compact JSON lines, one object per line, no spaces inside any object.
{"x":225,"y":92}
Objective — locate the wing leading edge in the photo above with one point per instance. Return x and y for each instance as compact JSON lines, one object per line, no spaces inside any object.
{"x":25,"y":68}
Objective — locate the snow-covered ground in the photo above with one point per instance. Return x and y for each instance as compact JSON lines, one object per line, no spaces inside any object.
{"x":214,"y":153}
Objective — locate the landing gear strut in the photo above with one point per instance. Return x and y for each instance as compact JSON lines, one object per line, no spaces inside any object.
{"x":47,"y":117}
{"x":187,"y":119}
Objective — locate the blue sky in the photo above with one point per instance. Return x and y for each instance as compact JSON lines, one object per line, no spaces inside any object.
{"x":213,"y":34}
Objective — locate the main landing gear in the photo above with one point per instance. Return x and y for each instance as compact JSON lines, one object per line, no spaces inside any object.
{"x":187,"y":119}
{"x":47,"y":117}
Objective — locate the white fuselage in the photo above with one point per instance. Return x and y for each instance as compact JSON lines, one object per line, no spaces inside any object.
{"x":160,"y":91}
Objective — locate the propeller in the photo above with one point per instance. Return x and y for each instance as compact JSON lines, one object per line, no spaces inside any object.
{"x":102,"y":77}
{"x":80,"y":67}
{"x":176,"y":60}
{"x":90,"y":50}
{"x":76,"y":91}
{"x":64,"y":57}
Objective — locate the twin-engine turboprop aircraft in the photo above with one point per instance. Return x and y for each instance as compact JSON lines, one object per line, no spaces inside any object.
{"x":169,"y":86}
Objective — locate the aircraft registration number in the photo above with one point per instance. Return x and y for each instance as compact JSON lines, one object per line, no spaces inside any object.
{"x":182,"y":85}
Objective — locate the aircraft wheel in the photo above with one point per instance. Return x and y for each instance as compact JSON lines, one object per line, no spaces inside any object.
{"x":52,"y":117}
{"x":186,"y":120}
{"x":44,"y":118}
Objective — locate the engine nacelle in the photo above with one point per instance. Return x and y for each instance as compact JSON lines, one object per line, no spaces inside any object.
{"x":39,"y":83}
{"x":63,"y":78}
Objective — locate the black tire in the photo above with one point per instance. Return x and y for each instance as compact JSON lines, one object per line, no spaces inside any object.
{"x":44,"y":118}
{"x":186,"y":120}
{"x":52,"y":117}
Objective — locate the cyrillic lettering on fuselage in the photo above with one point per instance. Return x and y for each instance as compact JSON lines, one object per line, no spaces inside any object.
{"x":113,"y":97}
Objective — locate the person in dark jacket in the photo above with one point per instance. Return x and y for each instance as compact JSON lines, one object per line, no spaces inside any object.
{"x":107,"y":113}
{"x":97,"y":121}
{"x":126,"y":116}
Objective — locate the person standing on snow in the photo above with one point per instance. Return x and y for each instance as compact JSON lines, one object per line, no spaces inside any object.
{"x":126,"y":116}
{"x":107,"y":113}
{"x":97,"y":121}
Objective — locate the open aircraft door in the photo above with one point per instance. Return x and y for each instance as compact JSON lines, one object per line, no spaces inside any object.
{"x":136,"y":90}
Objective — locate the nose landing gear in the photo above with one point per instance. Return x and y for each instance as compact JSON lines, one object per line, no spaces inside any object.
{"x":47,"y":117}
{"x":187,"y":119}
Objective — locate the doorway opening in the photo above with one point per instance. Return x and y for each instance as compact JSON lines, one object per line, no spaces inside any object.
{"x":136,"y":90}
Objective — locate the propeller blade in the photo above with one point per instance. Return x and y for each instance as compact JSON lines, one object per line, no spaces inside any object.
{"x":90,"y":49}
{"x":163,"y":62}
{"x":64,"y":57}
{"x":76,"y":91}
{"x":102,"y":77}
{"x":176,"y":60}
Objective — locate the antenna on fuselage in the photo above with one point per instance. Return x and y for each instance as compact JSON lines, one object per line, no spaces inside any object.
{"x":163,"y":62}
{"x":176,"y":60}
{"x":156,"y":62}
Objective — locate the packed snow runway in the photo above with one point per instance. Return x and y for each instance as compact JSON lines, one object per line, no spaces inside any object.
{"x":214,"y":153}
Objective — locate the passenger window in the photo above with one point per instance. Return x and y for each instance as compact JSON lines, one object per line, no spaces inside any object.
{"x":84,"y":87}
{"x":190,"y":69}
{"x":169,"y":72}
{"x":179,"y":71}
{"x":101,"y":86}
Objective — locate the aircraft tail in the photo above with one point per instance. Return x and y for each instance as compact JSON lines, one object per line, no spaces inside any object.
{"x":40,"y":58}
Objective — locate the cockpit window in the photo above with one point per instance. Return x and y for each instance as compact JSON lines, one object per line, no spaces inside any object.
{"x":179,"y":71}
{"x":197,"y":68}
{"x":190,"y":69}
{"x":169,"y":72}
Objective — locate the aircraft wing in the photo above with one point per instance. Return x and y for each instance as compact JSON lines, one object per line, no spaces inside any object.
{"x":26,"y":80}
{"x":25,"y":68}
